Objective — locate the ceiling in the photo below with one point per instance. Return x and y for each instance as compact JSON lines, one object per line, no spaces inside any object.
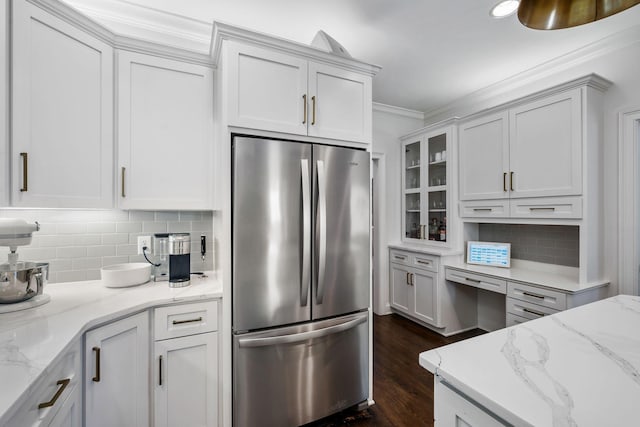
{"x":432,"y":52}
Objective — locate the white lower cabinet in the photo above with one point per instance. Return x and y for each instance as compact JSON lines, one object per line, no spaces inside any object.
{"x":117,"y":373}
{"x":452,"y":409}
{"x":57,"y":398}
{"x":185,"y":375}
{"x":185,"y":378}
{"x":414,"y":292}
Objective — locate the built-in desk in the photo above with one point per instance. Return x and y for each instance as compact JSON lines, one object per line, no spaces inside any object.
{"x":531,"y":290}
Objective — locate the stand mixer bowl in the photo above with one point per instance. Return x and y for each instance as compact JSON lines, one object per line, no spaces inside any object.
{"x":22,"y":281}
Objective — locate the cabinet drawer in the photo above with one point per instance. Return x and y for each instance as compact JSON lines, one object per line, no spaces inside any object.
{"x":539,"y":296}
{"x":553,"y":207}
{"x":485,"y":209}
{"x":528,"y":310}
{"x":185,"y":319}
{"x":476,"y":280}
{"x":514,"y":319}
{"x":399,"y":257}
{"x":62,"y":378}
{"x":427,"y":262}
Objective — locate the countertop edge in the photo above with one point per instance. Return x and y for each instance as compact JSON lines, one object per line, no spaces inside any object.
{"x":7,"y":413}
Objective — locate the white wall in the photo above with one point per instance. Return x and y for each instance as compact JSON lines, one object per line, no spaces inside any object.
{"x":389,"y":124}
{"x":616,"y":59}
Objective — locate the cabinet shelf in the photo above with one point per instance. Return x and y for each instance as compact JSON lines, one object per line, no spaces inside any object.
{"x":412,"y":191}
{"x":438,"y":210}
{"x":438,"y":163}
{"x":413,"y":167}
{"x":413,"y":210}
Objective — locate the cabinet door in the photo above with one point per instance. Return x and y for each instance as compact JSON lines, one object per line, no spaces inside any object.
{"x":484,"y":158}
{"x":4,"y":104}
{"x":425,"y":295}
{"x":546,"y":147}
{"x":267,"y":90}
{"x":340,"y":102}
{"x":186,"y":381}
{"x":62,"y":113}
{"x":399,"y":288}
{"x":165,"y":133}
{"x":117,"y":373}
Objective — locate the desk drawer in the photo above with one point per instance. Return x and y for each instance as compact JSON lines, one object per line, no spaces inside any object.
{"x":185,"y":319}
{"x":528,"y":310}
{"x":539,"y":296}
{"x":399,"y":257}
{"x":514,"y":319}
{"x":476,"y":280}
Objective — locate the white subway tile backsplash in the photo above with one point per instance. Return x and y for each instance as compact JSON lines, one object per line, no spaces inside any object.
{"x":77,"y":243}
{"x":71,"y":252}
{"x":154,"y":227}
{"x":129,"y":227}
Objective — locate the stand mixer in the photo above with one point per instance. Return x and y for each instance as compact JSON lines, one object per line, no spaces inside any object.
{"x":20,"y":281}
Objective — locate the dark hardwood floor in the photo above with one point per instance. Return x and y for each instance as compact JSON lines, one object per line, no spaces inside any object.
{"x":402,"y":390}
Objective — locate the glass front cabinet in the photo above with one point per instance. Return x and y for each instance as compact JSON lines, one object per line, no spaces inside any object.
{"x":427,"y":186}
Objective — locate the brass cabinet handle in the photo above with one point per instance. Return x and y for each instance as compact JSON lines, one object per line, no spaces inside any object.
{"x":408,"y":279}
{"x":96,"y":378}
{"x":122,"y":179}
{"x":511,"y":182}
{"x":537,"y":313}
{"x":179,"y":322}
{"x":313,"y":110}
{"x":419,"y":261}
{"x":504,"y":182}
{"x":412,"y":275}
{"x":160,"y":370}
{"x":63,"y":384}
{"x":528,"y":294}
{"x":401,"y":258}
{"x":304,"y":117}
{"x":25,"y":172}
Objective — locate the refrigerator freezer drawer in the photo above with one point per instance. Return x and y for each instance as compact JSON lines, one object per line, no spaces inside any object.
{"x":294,"y":375}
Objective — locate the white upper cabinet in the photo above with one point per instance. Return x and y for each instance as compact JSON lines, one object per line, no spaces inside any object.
{"x":279,"y":86}
{"x":165,"y":133}
{"x":484,"y":158}
{"x":341,"y":104}
{"x":62,"y":113}
{"x":268,"y":90}
{"x":529,"y":160}
{"x":546,"y":147}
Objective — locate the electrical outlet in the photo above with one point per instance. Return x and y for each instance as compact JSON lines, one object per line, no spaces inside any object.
{"x":142,"y":242}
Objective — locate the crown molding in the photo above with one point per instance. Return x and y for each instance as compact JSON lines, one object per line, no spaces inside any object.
{"x":590,"y":80}
{"x":494,"y":91}
{"x":398,"y":111}
{"x":443,"y":123}
{"x":82,"y":16}
{"x":222,"y":31}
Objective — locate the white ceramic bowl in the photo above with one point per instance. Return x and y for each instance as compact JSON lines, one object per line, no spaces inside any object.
{"x":123,"y":275}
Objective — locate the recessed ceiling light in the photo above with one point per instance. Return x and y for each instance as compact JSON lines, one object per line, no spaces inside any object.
{"x":504,"y":8}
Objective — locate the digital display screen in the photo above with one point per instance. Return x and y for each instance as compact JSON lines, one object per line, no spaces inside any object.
{"x":489,"y":253}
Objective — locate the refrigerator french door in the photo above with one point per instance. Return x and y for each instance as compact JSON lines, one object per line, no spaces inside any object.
{"x":300,"y":285}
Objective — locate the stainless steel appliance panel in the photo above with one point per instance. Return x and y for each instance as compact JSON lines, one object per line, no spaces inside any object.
{"x":294,"y":375}
{"x":341,"y":230}
{"x":271,"y":233}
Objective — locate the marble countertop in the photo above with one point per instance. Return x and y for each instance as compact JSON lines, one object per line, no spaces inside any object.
{"x":550,"y":276}
{"x":579,"y":367}
{"x":31,"y":340}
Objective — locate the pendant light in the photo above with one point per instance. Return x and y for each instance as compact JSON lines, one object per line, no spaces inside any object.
{"x":556,"y":14}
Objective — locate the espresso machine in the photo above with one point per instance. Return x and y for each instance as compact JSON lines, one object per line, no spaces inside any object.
{"x":172,"y":253}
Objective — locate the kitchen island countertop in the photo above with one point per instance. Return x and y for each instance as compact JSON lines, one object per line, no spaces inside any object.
{"x":31,"y":340}
{"x":577,"y":367}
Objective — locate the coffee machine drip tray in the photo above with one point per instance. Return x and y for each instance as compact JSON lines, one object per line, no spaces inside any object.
{"x":36,"y":301}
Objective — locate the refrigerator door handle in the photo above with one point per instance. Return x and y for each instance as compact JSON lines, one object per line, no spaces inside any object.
{"x":322,"y":225}
{"x":306,"y":233}
{"x":303,"y":336}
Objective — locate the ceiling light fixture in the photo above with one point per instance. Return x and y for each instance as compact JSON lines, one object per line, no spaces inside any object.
{"x":556,"y":14}
{"x":504,"y":8}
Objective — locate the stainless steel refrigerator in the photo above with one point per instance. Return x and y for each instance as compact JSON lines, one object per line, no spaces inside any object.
{"x":300,"y":286}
